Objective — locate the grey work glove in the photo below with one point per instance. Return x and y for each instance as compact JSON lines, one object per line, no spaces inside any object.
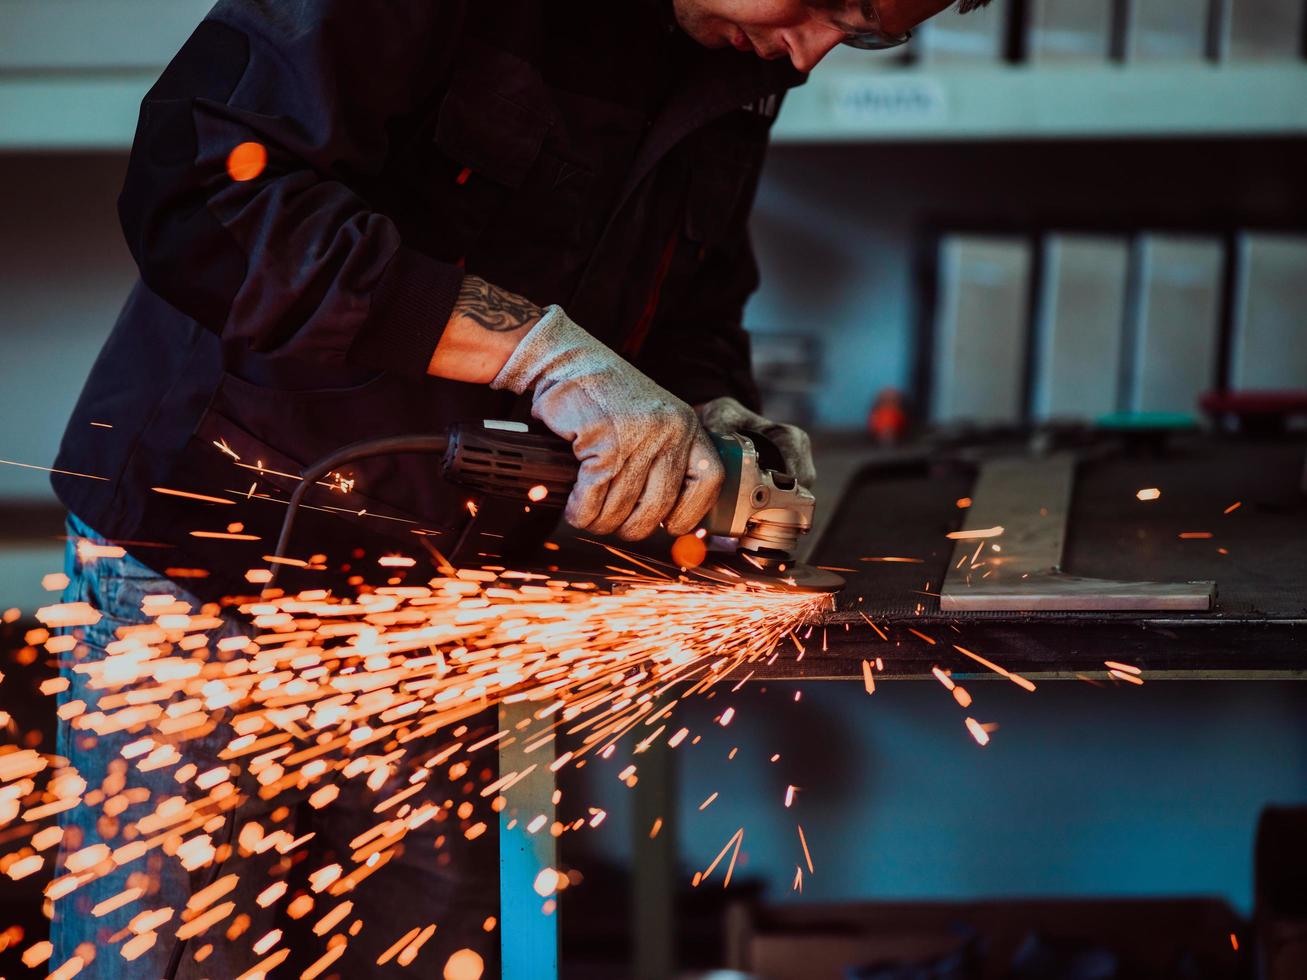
{"x":728,"y":415}
{"x":645,"y":459}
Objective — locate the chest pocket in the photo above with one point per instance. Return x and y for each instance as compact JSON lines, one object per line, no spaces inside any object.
{"x":500,"y":181}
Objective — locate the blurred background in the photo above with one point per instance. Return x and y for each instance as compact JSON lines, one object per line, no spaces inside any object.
{"x":1046,"y":209}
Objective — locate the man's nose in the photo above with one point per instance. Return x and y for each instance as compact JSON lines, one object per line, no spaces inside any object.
{"x":810,"y":43}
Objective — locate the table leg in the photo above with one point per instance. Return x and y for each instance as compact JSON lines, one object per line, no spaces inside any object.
{"x":528,"y":937}
{"x":654,"y":865}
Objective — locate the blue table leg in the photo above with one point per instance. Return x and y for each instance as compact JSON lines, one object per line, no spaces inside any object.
{"x":528,"y":937}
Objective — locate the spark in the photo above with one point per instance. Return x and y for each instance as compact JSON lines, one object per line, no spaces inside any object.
{"x":68,"y":614}
{"x":1232,"y":508}
{"x":689,"y":551}
{"x":972,"y":535}
{"x":537,"y":493}
{"x":868,"y":679}
{"x":37,"y":953}
{"x":978,"y":731}
{"x":896,"y":560}
{"x":733,"y":842}
{"x":465,"y":964}
{"x":89,"y":551}
{"x":879,"y":631}
{"x":1148,"y":493}
{"x":803,"y":842}
{"x":47,"y":469}
{"x":1195,"y":535}
{"x":202,"y":497}
{"x":1016,"y":679}
{"x":730,"y":868}
{"x":222,"y":447}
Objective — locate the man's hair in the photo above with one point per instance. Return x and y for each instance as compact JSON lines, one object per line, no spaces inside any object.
{"x":965,"y":6}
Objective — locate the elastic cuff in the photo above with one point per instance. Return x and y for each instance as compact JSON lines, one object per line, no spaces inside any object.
{"x":410,"y":308}
{"x":533,"y":351}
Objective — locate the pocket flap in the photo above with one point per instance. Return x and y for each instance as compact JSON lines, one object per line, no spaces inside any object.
{"x":490,"y":135}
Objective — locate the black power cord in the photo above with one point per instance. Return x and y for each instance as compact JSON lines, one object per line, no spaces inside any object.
{"x":391,"y":445}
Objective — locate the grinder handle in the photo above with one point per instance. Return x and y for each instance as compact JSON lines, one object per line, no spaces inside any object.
{"x":510,"y":460}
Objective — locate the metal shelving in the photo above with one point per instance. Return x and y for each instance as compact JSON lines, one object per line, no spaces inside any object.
{"x":69,"y":111}
{"x":1048,"y":102}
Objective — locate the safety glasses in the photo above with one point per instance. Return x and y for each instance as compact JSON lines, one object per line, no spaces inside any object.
{"x":876,"y":40}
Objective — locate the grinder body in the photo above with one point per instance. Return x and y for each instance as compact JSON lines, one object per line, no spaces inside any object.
{"x":761,"y":509}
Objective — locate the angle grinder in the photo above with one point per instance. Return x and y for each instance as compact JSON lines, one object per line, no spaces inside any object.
{"x":759,"y":517}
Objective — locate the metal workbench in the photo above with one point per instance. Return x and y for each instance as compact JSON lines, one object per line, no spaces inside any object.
{"x":902,"y":506}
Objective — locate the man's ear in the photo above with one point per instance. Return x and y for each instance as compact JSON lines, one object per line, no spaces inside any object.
{"x":898,"y":16}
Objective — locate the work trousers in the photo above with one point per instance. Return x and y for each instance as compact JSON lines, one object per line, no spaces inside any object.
{"x":449,"y":882}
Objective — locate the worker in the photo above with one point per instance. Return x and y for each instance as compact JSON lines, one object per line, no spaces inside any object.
{"x":358,"y":219}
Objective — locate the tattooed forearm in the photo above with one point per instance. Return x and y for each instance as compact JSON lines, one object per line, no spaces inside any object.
{"x":493,"y":308}
{"x":484,"y":329}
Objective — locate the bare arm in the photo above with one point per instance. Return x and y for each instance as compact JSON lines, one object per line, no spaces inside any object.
{"x":483,"y":331}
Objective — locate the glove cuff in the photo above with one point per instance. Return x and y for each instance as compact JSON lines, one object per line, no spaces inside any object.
{"x":552,"y":339}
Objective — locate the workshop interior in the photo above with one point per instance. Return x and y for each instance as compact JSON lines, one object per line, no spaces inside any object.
{"x":1034,"y":282}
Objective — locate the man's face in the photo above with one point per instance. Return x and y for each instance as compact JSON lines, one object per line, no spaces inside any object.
{"x":801,"y":30}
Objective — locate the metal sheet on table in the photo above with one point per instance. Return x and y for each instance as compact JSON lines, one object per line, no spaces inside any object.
{"x":1256,"y":626}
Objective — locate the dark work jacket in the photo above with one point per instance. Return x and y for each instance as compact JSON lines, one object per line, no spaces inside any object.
{"x":584,"y":153}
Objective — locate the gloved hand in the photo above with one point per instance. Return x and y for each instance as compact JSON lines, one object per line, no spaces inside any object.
{"x":728,"y":415}
{"x":644,"y":457}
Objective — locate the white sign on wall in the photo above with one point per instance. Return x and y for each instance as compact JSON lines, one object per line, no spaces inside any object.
{"x":870,"y":100}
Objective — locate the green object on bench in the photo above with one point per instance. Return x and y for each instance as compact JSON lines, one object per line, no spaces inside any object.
{"x":1145,"y":421}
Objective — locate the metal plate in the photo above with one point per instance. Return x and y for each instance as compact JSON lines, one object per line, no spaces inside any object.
{"x":1020,"y":569}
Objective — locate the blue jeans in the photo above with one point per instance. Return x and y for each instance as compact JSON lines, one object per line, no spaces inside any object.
{"x":454,"y":886}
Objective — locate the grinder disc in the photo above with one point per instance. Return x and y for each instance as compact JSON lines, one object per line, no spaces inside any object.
{"x":772,"y":572}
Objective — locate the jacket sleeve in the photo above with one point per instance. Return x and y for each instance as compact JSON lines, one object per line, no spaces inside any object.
{"x":292,"y":259}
